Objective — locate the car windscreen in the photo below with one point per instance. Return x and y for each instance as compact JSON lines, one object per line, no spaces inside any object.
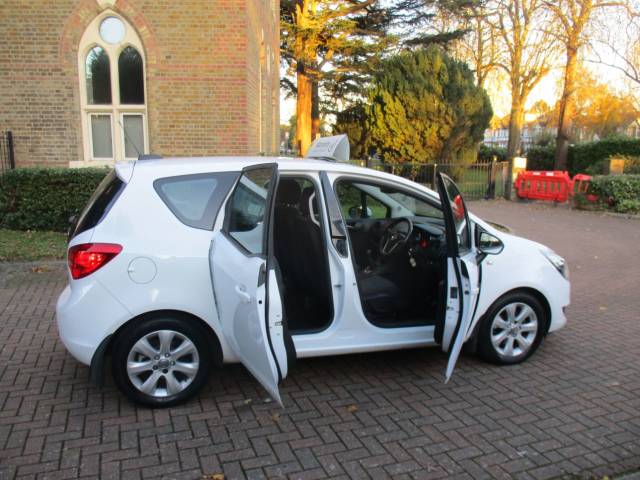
{"x":99,"y":204}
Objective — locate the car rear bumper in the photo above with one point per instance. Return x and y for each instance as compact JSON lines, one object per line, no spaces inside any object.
{"x":86,"y":315}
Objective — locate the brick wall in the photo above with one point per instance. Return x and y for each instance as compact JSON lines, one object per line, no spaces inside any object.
{"x":202,"y":75}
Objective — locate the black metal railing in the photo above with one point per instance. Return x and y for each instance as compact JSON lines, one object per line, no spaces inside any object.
{"x":475,"y":181}
{"x":7,"y":157}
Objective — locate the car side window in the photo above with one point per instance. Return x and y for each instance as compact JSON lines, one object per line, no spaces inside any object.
{"x":377,"y":201}
{"x":195,"y":199}
{"x":355,"y":203}
{"x":248,"y":209}
{"x":420,"y":208}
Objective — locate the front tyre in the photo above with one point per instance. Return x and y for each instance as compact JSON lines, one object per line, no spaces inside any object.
{"x":512,"y":329}
{"x":161,"y":362}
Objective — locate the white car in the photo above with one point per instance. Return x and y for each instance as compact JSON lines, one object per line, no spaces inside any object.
{"x":178,"y":265}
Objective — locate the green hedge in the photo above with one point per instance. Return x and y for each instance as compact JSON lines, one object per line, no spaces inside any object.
{"x":486,"y":153}
{"x":620,"y":193}
{"x":591,"y":158}
{"x":541,"y":158}
{"x":45,"y":198}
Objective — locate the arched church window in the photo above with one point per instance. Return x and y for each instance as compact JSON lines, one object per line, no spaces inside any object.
{"x":112,"y":80}
{"x":98,"y":77}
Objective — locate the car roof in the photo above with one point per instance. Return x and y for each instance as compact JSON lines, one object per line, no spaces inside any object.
{"x":175,"y":166}
{"x":223,"y":163}
{"x":166,"y":167}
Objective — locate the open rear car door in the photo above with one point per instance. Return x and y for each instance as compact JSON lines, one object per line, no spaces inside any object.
{"x":245,"y":280}
{"x":463,"y":283}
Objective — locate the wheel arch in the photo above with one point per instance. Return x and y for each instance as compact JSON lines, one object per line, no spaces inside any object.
{"x":538,"y":295}
{"x":208,"y":329}
{"x":471,"y":344}
{"x":96,"y":371}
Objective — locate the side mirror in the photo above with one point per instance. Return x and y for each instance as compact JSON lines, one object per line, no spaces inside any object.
{"x":356,"y":212}
{"x":487,"y":243}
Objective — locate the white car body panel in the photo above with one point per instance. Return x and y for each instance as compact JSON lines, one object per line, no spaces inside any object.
{"x":92,"y":308}
{"x":521,"y":265}
{"x":240,"y":297}
{"x":469,"y":291}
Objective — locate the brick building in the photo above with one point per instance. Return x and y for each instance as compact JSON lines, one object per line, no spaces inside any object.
{"x":90,"y":82}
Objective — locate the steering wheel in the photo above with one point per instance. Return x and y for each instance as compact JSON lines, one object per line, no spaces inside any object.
{"x":395,"y":235}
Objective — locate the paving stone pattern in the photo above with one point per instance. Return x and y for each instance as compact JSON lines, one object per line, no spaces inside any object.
{"x":571,"y":411}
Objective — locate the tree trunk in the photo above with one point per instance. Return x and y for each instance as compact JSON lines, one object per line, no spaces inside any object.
{"x":516,"y":122}
{"x":303,"y":110}
{"x":567,"y":110}
{"x":315,"y":110}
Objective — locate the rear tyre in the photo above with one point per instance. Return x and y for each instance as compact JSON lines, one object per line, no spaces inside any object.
{"x":161,"y":362}
{"x":512,"y":329}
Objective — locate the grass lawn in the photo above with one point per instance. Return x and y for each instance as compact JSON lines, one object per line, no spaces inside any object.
{"x":29,"y":246}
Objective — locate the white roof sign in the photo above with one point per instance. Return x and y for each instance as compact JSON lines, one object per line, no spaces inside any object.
{"x":334,"y":148}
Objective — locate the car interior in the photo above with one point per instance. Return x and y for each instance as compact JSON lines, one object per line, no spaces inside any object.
{"x":399,"y":253}
{"x":299,"y":248}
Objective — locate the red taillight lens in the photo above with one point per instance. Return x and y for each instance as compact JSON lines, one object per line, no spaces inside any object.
{"x":86,"y":258}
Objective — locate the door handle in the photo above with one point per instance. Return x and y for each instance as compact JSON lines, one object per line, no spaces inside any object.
{"x":244,"y":296}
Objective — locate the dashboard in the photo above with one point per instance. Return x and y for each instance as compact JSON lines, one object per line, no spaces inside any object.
{"x":428,"y":238}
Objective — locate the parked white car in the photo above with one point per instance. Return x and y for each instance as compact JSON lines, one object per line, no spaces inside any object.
{"x":178,"y":265}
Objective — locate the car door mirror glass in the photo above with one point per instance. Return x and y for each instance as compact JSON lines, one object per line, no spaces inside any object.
{"x":356,"y":212}
{"x":489,"y":244}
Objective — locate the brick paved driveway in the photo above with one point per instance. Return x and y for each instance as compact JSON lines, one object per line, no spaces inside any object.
{"x":572,"y":410}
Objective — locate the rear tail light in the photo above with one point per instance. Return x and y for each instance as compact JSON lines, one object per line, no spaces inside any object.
{"x":86,"y":258}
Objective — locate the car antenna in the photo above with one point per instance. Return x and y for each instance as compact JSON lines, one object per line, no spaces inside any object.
{"x":141,"y":156}
{"x":124,"y":132}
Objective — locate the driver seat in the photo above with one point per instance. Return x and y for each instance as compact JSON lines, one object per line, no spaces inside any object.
{"x":381,"y":298}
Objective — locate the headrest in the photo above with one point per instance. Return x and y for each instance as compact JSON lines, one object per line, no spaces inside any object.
{"x":288,"y":192}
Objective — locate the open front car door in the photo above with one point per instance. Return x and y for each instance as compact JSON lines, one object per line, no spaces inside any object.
{"x":463,"y":284}
{"x":245,"y":280}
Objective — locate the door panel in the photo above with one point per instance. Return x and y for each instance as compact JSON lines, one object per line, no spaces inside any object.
{"x":240,"y":298}
{"x":452,"y":313}
{"x":463,"y":275}
{"x":469,"y":294}
{"x":246,"y":288}
{"x":276,"y":329}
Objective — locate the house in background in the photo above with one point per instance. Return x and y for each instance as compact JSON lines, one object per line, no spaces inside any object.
{"x":633,"y":129}
{"x":499,"y":137}
{"x":92,"y":82}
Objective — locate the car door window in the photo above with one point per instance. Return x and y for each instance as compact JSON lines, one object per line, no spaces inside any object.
{"x":419,"y":207}
{"x":460,"y":217}
{"x":356,"y":203}
{"x":248,"y":208}
{"x":377,"y":201}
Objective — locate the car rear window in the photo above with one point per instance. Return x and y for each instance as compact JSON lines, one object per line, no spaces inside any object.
{"x":99,"y":204}
{"x":196,"y":199}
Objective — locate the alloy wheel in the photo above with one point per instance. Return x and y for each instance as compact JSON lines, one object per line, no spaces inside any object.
{"x":162,"y":363}
{"x":514,"y":330}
